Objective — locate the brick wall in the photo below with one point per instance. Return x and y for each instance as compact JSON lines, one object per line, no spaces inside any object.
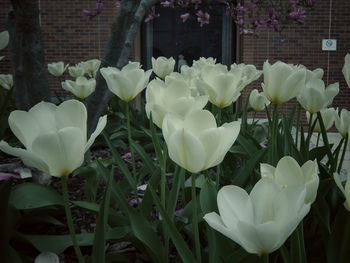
{"x":67,"y":35}
{"x":301,"y":44}
{"x":70,"y":37}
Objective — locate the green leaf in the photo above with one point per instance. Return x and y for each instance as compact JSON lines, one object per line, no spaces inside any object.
{"x":144,"y":156}
{"x":98,"y":249}
{"x":141,"y":228}
{"x":181,"y":246}
{"x":338,"y":245}
{"x":322,"y":210}
{"x":32,"y":195}
{"x":59,"y":243}
{"x":94,"y":207}
{"x":207,"y":197}
{"x":249,"y":167}
{"x":179,"y":178}
{"x":120,"y":163}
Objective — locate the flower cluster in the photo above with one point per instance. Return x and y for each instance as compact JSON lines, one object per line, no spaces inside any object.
{"x":84,"y":74}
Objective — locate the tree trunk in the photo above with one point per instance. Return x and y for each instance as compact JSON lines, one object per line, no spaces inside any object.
{"x":124,"y":31}
{"x":27,"y":56}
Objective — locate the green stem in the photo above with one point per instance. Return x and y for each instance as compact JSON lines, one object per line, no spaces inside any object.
{"x":326,"y":143}
{"x":318,"y":139}
{"x":217,"y":179}
{"x":195,"y":218}
{"x":70,"y":220}
{"x":265,"y":258}
{"x":163,"y":187}
{"x":343,"y":153}
{"x":298,"y":122}
{"x":130,"y":140}
{"x":273,"y":139}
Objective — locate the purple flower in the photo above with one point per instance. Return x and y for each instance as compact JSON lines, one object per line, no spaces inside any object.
{"x":298,"y":15}
{"x":168,"y":3}
{"x":202,"y":18}
{"x":184,"y":17}
{"x":99,"y":7}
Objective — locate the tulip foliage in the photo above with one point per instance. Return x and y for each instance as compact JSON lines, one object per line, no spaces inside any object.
{"x":189,"y":177}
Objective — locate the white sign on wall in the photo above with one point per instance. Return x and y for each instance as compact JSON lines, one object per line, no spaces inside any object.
{"x":329,"y":44}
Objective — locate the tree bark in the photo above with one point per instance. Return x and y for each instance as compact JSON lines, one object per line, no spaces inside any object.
{"x":124,"y":30}
{"x":28,"y":61}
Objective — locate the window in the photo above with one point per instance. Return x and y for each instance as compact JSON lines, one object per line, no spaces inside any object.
{"x":168,"y":36}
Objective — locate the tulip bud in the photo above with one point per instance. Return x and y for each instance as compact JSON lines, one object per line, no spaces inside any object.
{"x":171,"y":97}
{"x":328,"y":117}
{"x":258,"y":101}
{"x":315,"y":97}
{"x":195,"y":142}
{"x":81,"y":87}
{"x":346,"y":69}
{"x":57,"y":68}
{"x":4,"y":39}
{"x":342,"y":122}
{"x":6,"y":81}
{"x":163,"y":66}
{"x":128,"y":82}
{"x":76,"y":71}
{"x":282,"y":81}
{"x":345,"y":190}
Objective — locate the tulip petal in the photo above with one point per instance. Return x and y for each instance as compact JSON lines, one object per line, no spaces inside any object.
{"x":186,"y":150}
{"x":215,"y":221}
{"x":44,"y":113}
{"x":171,"y":123}
{"x":72,"y":113}
{"x":260,"y":239}
{"x":62,"y":152}
{"x":263,"y":195}
{"x":288,"y":172}
{"x":102,"y":121}
{"x":267,"y":170}
{"x":24,"y":126}
{"x":234,"y":205}
{"x":199,"y":120}
{"x":27,"y":157}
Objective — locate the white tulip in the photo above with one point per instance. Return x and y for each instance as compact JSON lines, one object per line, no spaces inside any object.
{"x":248,"y":73}
{"x":76,"y":71}
{"x":54,"y":137}
{"x":342,"y":122}
{"x":128,"y":82}
{"x":282,"y":81}
{"x":203,"y":62}
{"x":261,"y":221}
{"x":258,"y":101}
{"x":81,"y":87}
{"x":6,"y":81}
{"x":288,"y":173}
{"x":57,"y":68}
{"x":328,"y":117}
{"x":346,"y":69}
{"x":222,"y":87}
{"x":91,"y":67}
{"x":175,"y":97}
{"x":163,"y":66}
{"x":195,"y":142}
{"x":4,"y":39}
{"x":315,"y":97}
{"x":344,"y":189}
